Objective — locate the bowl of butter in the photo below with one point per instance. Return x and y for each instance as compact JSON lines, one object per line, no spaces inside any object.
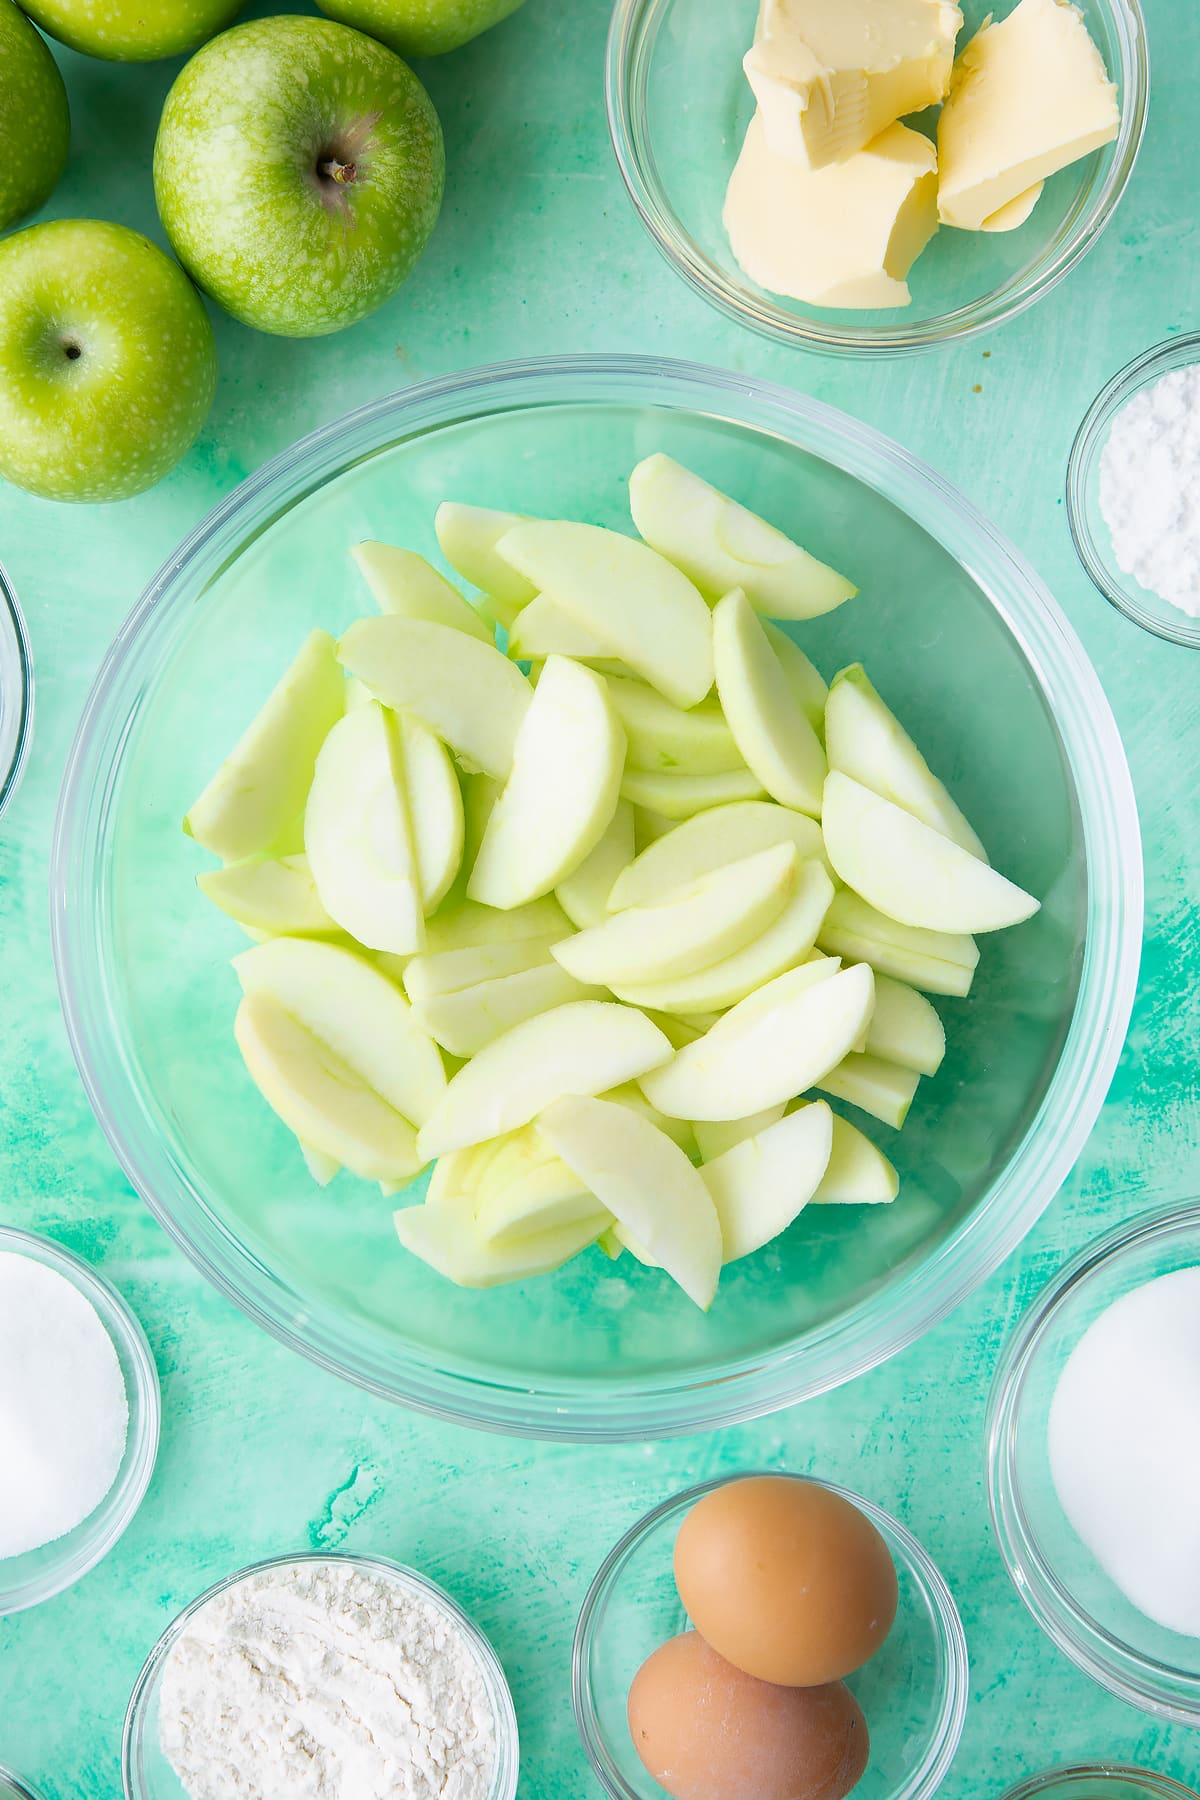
{"x":876,"y":176}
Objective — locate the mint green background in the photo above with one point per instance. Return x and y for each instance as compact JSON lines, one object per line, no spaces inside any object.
{"x":538,"y":251}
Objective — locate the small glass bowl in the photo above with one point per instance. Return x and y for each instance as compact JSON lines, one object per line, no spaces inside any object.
{"x":13,"y":1789}
{"x":1088,"y":529}
{"x":1078,"y":1607}
{"x":678,"y":107}
{"x":913,"y":1693}
{"x":1099,"y":1781}
{"x":145,"y":1771}
{"x":16,"y":692}
{"x":40,"y":1574}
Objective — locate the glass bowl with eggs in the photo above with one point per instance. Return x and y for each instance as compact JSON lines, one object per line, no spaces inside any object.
{"x":966,"y":645}
{"x":831,"y":223}
{"x":16,"y":692}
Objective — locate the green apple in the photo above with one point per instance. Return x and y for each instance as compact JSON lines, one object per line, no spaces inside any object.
{"x":403,"y":582}
{"x":435,"y":810}
{"x":858,"y":1173}
{"x":273,"y":898}
{"x":804,"y":679}
{"x":108,"y":364}
{"x":761,"y":1185}
{"x":421,"y":27}
{"x":583,"y":895}
{"x":129,"y":30}
{"x":665,"y":739}
{"x":446,"y":1238}
{"x":464,"y":1021}
{"x":772,"y":733}
{"x":463,"y":925}
{"x":715,"y":1136}
{"x":35,"y":122}
{"x":880,"y":1088}
{"x":544,"y":1195}
{"x":468,"y":536}
{"x":709,"y":841}
{"x":544,"y":628}
{"x":298,"y":172}
{"x":439,"y":972}
{"x":939,"y":962}
{"x":683,"y":796}
{"x":905,"y":1029}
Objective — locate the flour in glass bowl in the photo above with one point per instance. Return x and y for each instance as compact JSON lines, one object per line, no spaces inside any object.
{"x":1150,"y":488}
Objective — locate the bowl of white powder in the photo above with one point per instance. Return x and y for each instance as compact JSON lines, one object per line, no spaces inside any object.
{"x":1094,"y":1462}
{"x":1133,"y":491}
{"x":322,"y":1677}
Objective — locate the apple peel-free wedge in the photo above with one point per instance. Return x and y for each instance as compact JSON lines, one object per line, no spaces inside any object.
{"x":562,"y":792}
{"x":322,"y":1168}
{"x":259,"y":791}
{"x":720,"y":835}
{"x":450,"y":971}
{"x":771,"y":1046}
{"x":526,"y":1189}
{"x":583,"y":895}
{"x":467,"y":536}
{"x":584,"y":1048}
{"x":276,"y":898}
{"x":467,"y":693}
{"x":648,"y":1185}
{"x":911,"y":873}
{"x":462,"y":925}
{"x":715,"y":1136}
{"x":905,"y":1028}
{"x":883,"y":1089}
{"x":636,"y":603}
{"x":805,"y":682}
{"x":937,"y":962}
{"x":773,"y":734}
{"x":683,"y":796}
{"x":762,"y":1185}
{"x":464,"y":1021}
{"x":543,"y":628}
{"x":664,"y":739}
{"x":859,"y":1174}
{"x":720,"y":544}
{"x":435,"y":810}
{"x":404,"y":583}
{"x":451,"y":1246}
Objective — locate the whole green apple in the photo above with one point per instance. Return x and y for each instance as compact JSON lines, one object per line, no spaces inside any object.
{"x":132,"y":30}
{"x":34,"y":122}
{"x":421,"y":27}
{"x":298,"y":172}
{"x":107,"y":361}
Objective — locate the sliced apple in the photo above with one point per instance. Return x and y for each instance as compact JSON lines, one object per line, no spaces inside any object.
{"x":721,"y":545}
{"x":322,"y":1168}
{"x":464,"y":1021}
{"x":450,"y":971}
{"x":909,"y":872}
{"x":275,"y":898}
{"x":939,"y":962}
{"x":867,"y":742}
{"x":678,"y":1130}
{"x":404,"y":583}
{"x":584,"y":1048}
{"x":638,"y":605}
{"x":859,"y":1174}
{"x":905,"y":1029}
{"x":435,"y":810}
{"x":708,"y":841}
{"x":355,"y":1010}
{"x":715,"y":1136}
{"x":882,"y":1089}
{"x":358,"y":833}
{"x":442,"y":1239}
{"x":462,"y":925}
{"x":772,"y":733}
{"x":258,"y":793}
{"x":649,"y":826}
{"x":683,"y":796}
{"x":762,"y":1185}
{"x":562,"y":793}
{"x":777,"y":1043}
{"x":544,"y":628}
{"x":583,"y":895}
{"x":678,"y":1031}
{"x":320,"y":1098}
{"x":783,"y":944}
{"x":527,"y":1188}
{"x":467,"y":693}
{"x":468,"y":536}
{"x":805,"y":682}
{"x":646,"y":1182}
{"x":666,"y":740}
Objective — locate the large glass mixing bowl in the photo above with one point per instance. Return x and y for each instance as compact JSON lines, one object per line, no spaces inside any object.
{"x":965,"y":642}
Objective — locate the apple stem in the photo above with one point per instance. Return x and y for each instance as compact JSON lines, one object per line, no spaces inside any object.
{"x":333,"y":169}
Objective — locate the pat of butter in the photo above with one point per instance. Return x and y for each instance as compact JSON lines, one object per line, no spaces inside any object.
{"x":830,"y":75}
{"x":845,"y":235}
{"x":1028,"y":96}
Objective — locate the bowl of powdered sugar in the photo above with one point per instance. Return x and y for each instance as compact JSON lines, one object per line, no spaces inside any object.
{"x":322,"y":1678}
{"x":1133,"y":491}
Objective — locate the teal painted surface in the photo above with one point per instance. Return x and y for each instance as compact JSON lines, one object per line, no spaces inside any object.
{"x":538,"y":251}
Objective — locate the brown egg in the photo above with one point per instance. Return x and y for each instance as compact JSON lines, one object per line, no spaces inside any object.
{"x":785,"y":1579}
{"x":706,"y":1731}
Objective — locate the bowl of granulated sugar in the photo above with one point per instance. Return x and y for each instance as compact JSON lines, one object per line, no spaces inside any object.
{"x":1133,"y":491}
{"x":79,"y":1418}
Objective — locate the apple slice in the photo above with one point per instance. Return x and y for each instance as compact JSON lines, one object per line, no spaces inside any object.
{"x":468,"y":536}
{"x":259,"y":791}
{"x":464,"y":1021}
{"x":683,"y":796}
{"x":355,"y":1010}
{"x":454,"y":1249}
{"x":858,"y":1173}
{"x":322,"y":1168}
{"x":320,"y":1098}
{"x":882,"y":1089}
{"x":905,"y":1029}
{"x":462,"y":925}
{"x":649,"y":826}
{"x":435,"y":809}
{"x":404,"y":583}
{"x":637,"y":604}
{"x":705,"y":923}
{"x":721,"y":545}
{"x":867,"y":742}
{"x":527,"y":1189}
{"x":777,"y":1043}
{"x":678,"y":1130}
{"x":911,"y":873}
{"x":358,"y":834}
{"x":276,"y":898}
{"x":939,"y":962}
{"x":678,"y":1031}
{"x":724,"y":834}
{"x":450,"y":971}
{"x":784,"y":944}
{"x":715,"y":1136}
{"x":666,"y":740}
{"x":583,"y":896}
{"x":584,"y":1048}
{"x":467,"y":693}
{"x":562,"y":793}
{"x":762,"y":1185}
{"x":646,"y":1182}
{"x":544,"y":628}
{"x":772,"y":733}
{"x":805,"y":682}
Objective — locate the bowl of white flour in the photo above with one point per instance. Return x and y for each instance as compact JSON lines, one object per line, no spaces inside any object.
{"x":322,"y":1677}
{"x":1133,"y":491}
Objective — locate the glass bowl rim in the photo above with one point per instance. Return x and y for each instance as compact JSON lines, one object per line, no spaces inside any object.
{"x":1156,"y":1787}
{"x":627,"y":35}
{"x":491,"y":1668}
{"x":925,"y":1781}
{"x":858,"y":1339}
{"x":1180,"y":351}
{"x":78,"y":1551}
{"x":16,"y":666}
{"x":1108,"y":1660}
{"x":12,"y":1785}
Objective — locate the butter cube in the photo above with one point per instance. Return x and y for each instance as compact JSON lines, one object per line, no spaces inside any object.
{"x":845,"y":235}
{"x":1028,"y":96}
{"x":830,"y":75}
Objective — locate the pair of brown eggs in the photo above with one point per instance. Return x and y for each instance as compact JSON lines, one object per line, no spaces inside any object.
{"x":790,"y":1589}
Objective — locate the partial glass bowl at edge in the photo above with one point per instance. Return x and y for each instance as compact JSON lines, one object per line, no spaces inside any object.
{"x":965,"y":642}
{"x":16,"y":692}
{"x":13,"y":1789}
{"x":1099,"y":1781}
{"x":678,"y":107}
